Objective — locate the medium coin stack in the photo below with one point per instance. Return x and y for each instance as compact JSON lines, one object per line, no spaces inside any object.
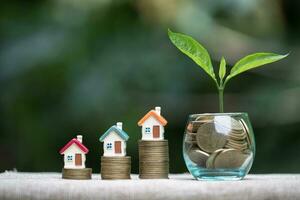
{"x":153,"y":159}
{"x":79,"y":174}
{"x":221,"y":142}
{"x":115,"y":167}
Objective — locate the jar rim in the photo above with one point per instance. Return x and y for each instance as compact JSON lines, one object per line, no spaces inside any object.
{"x":220,"y":114}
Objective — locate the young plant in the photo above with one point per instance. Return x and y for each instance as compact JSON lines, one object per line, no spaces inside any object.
{"x":200,"y":56}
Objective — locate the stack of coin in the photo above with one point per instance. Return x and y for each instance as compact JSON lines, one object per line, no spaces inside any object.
{"x":237,"y":136}
{"x":115,"y":167}
{"x":153,"y":159}
{"x":79,"y":174}
{"x":217,"y":142}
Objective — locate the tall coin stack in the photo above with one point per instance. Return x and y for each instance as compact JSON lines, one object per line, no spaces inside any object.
{"x":153,"y":159}
{"x":153,"y":148}
{"x":115,"y":167}
{"x":114,"y":162}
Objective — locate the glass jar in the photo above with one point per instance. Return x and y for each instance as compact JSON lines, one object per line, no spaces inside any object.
{"x":219,"y":146}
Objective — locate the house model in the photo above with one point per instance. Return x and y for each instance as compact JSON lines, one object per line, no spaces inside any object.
{"x":74,"y":154}
{"x":114,"y":141}
{"x":153,"y":125}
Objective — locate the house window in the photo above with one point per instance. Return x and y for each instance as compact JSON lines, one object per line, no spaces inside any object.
{"x":109,"y":146}
{"x":69,"y":158}
{"x":147,"y":130}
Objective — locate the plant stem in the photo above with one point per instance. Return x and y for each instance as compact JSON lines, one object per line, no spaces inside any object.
{"x":221,"y":99}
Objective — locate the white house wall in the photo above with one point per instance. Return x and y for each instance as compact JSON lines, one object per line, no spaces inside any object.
{"x":71,"y":151}
{"x":111,"y":138}
{"x":150,"y":122}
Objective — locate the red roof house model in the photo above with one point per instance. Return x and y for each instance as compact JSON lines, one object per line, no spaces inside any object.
{"x":74,"y":141}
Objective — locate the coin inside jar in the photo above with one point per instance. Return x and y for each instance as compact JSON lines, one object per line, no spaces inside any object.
{"x":209,"y":139}
{"x":190,"y":138}
{"x":230,"y":123}
{"x":246,"y":130}
{"x":230,"y":158}
{"x":240,"y":145}
{"x":197,"y":156}
{"x":211,"y":159}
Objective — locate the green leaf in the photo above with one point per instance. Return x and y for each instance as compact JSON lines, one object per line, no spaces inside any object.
{"x":194,"y":50}
{"x":222,"y":69}
{"x":253,"y":61}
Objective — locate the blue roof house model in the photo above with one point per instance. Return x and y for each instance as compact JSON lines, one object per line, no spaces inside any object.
{"x":114,"y":141}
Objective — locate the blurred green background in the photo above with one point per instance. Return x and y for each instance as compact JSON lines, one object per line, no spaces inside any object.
{"x":72,"y":67}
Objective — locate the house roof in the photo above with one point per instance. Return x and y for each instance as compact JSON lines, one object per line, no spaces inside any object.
{"x":153,"y":113}
{"x":114,"y":128}
{"x":74,"y":141}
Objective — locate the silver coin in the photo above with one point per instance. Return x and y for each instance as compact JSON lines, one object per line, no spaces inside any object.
{"x":211,"y":159}
{"x":230,"y":159}
{"x":209,"y":139}
{"x":197,"y":156}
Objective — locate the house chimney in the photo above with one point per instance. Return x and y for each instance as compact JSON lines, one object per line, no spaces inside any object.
{"x":157,"y":110}
{"x":119,"y":125}
{"x":79,"y":138}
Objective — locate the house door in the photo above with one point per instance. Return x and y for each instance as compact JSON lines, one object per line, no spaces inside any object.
{"x":118,"y":147}
{"x":78,"y":159}
{"x":156,"y":132}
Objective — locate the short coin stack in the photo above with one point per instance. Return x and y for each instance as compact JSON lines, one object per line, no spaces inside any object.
{"x":115,"y":167}
{"x":153,"y":159}
{"x":218,"y":143}
{"x":79,"y":174}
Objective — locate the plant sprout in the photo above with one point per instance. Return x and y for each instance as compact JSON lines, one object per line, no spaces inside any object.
{"x":190,"y":47}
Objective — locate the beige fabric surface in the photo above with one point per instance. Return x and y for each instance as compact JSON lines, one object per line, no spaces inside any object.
{"x":15,"y":185}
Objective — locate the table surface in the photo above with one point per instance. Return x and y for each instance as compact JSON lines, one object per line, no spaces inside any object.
{"x":16,"y":185}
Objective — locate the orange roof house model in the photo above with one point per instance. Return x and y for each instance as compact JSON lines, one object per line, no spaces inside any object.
{"x":153,"y":125}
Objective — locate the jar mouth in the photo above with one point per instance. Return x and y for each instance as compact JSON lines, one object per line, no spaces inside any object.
{"x":232,"y":114}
